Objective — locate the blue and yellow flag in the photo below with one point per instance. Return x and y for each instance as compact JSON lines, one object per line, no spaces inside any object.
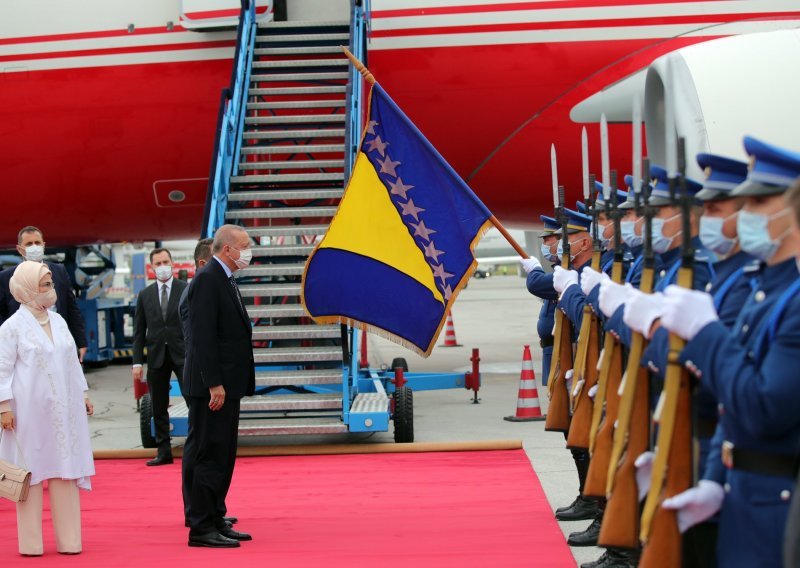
{"x":400,"y":246}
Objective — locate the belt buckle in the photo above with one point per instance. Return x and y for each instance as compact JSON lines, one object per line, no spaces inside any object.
{"x":727,"y":454}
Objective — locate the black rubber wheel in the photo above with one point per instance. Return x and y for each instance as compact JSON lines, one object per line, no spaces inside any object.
{"x":145,"y":417}
{"x":404,"y":416}
{"x":399,"y":362}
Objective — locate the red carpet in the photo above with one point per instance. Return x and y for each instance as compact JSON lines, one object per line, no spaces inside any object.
{"x":412,"y":510}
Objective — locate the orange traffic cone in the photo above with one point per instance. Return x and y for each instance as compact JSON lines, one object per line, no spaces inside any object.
{"x":528,"y":409}
{"x":450,"y":333}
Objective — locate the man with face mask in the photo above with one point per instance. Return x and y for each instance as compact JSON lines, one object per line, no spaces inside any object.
{"x":30,"y":246}
{"x":730,"y":287}
{"x":751,"y":372}
{"x":220,"y":370}
{"x":157,"y":326}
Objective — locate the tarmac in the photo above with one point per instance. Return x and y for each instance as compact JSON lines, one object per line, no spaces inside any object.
{"x":498,"y":316}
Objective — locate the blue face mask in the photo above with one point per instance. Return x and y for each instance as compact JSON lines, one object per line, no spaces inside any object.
{"x":629,"y":236}
{"x":560,"y":248}
{"x":711,"y":234}
{"x":753,"y":229}
{"x":546,"y":254}
{"x":601,"y":229}
{"x":661,"y":243}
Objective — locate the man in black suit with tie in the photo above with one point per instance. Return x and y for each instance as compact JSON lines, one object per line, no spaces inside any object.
{"x":30,"y":245}
{"x":157,"y":325}
{"x":219,"y":372}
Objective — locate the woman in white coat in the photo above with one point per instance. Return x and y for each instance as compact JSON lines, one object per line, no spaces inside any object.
{"x":43,"y":404}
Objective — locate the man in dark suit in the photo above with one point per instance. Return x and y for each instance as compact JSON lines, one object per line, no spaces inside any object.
{"x":219,"y":372}
{"x":30,"y":245}
{"x":156,"y":324}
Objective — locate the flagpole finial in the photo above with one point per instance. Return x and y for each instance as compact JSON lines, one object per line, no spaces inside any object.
{"x":368,"y":77}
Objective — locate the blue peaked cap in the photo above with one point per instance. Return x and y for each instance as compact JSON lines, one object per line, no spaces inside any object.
{"x":772,"y":169}
{"x":723,"y":175}
{"x":630,"y":203}
{"x":551,"y":225}
{"x":601,"y":200}
{"x":576,"y":221}
{"x":659,"y":193}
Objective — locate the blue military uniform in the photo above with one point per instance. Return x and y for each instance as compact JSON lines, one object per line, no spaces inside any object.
{"x":540,"y":284}
{"x":752,"y":373}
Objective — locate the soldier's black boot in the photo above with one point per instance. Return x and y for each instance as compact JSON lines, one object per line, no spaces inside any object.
{"x":586,"y":537}
{"x":581,"y":510}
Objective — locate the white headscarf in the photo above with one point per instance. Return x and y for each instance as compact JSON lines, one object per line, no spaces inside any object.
{"x":24,"y":286}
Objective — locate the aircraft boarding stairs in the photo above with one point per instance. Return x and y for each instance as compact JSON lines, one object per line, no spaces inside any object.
{"x":291,"y":173}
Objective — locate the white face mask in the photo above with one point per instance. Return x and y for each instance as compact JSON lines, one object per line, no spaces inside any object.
{"x":163,"y":272}
{"x":245,"y":256}
{"x":34,"y":253}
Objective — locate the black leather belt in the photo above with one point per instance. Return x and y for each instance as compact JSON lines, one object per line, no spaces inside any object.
{"x":783,"y":465}
{"x":546,"y":342}
{"x":705,"y":428}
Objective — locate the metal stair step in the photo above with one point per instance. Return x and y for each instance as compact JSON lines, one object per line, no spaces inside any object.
{"x":323,"y":90}
{"x":297,"y":354}
{"x":292,"y":63}
{"x":282,"y":250}
{"x":295,"y":119}
{"x":300,"y":77}
{"x":280,"y":212}
{"x":293,"y":134}
{"x":297,"y":38}
{"x":283,"y":194}
{"x":327,"y":103}
{"x":279,"y":289}
{"x":288,"y":269}
{"x":278,"y":178}
{"x":286,"y":231}
{"x":311,"y":401}
{"x":309,"y":50}
{"x":276,"y":311}
{"x":300,"y":377}
{"x":293,"y":149}
{"x":305,"y":24}
{"x":291,"y":426}
{"x":279,"y":332}
{"x":292,"y":164}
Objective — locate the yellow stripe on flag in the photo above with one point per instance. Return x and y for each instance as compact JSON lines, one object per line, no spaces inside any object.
{"x":367,"y":223}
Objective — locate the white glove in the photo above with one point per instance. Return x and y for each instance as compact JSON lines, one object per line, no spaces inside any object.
{"x":563,"y":279}
{"x":568,"y":379}
{"x":697,"y":504}
{"x":591,"y":278}
{"x":641,"y":310}
{"x":686,"y":312}
{"x":644,"y":473}
{"x":530,"y":264}
{"x":612,"y":296}
{"x":593,"y":391}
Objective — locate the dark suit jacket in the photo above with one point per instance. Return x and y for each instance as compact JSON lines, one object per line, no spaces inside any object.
{"x":149,"y":327}
{"x":66,"y":305}
{"x":221,"y":350}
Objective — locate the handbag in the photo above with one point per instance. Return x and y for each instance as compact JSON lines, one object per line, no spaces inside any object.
{"x":14,"y":480}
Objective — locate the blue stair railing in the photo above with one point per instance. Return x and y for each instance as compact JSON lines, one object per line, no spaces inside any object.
{"x":230,"y":123}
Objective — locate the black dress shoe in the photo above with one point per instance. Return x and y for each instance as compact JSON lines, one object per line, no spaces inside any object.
{"x":614,"y":559}
{"x":230,"y":520}
{"x":212,"y":540}
{"x":583,"y":510}
{"x":587,"y":537}
{"x":161,"y":460}
{"x":570,"y":506}
{"x":228,"y":532}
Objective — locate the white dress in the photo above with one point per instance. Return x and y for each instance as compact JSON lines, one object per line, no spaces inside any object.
{"x":45,"y":383}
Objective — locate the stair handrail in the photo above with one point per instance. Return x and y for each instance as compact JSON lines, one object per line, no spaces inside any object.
{"x":230,"y":124}
{"x":355,"y":114}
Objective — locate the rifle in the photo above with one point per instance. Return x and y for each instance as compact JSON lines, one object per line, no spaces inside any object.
{"x":659,"y":534}
{"x":588,"y":351}
{"x":602,"y":429}
{"x":558,"y":412}
{"x":620,"y":528}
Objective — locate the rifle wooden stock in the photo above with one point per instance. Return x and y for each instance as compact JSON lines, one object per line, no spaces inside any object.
{"x":672,"y":466}
{"x":620,"y":528}
{"x":598,"y":466}
{"x":583,"y":405}
{"x":558,"y":412}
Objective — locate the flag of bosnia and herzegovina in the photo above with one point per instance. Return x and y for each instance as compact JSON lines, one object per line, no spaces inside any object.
{"x":400,"y":246}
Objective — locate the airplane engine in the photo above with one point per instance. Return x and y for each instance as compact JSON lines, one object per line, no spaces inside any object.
{"x":724,"y":89}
